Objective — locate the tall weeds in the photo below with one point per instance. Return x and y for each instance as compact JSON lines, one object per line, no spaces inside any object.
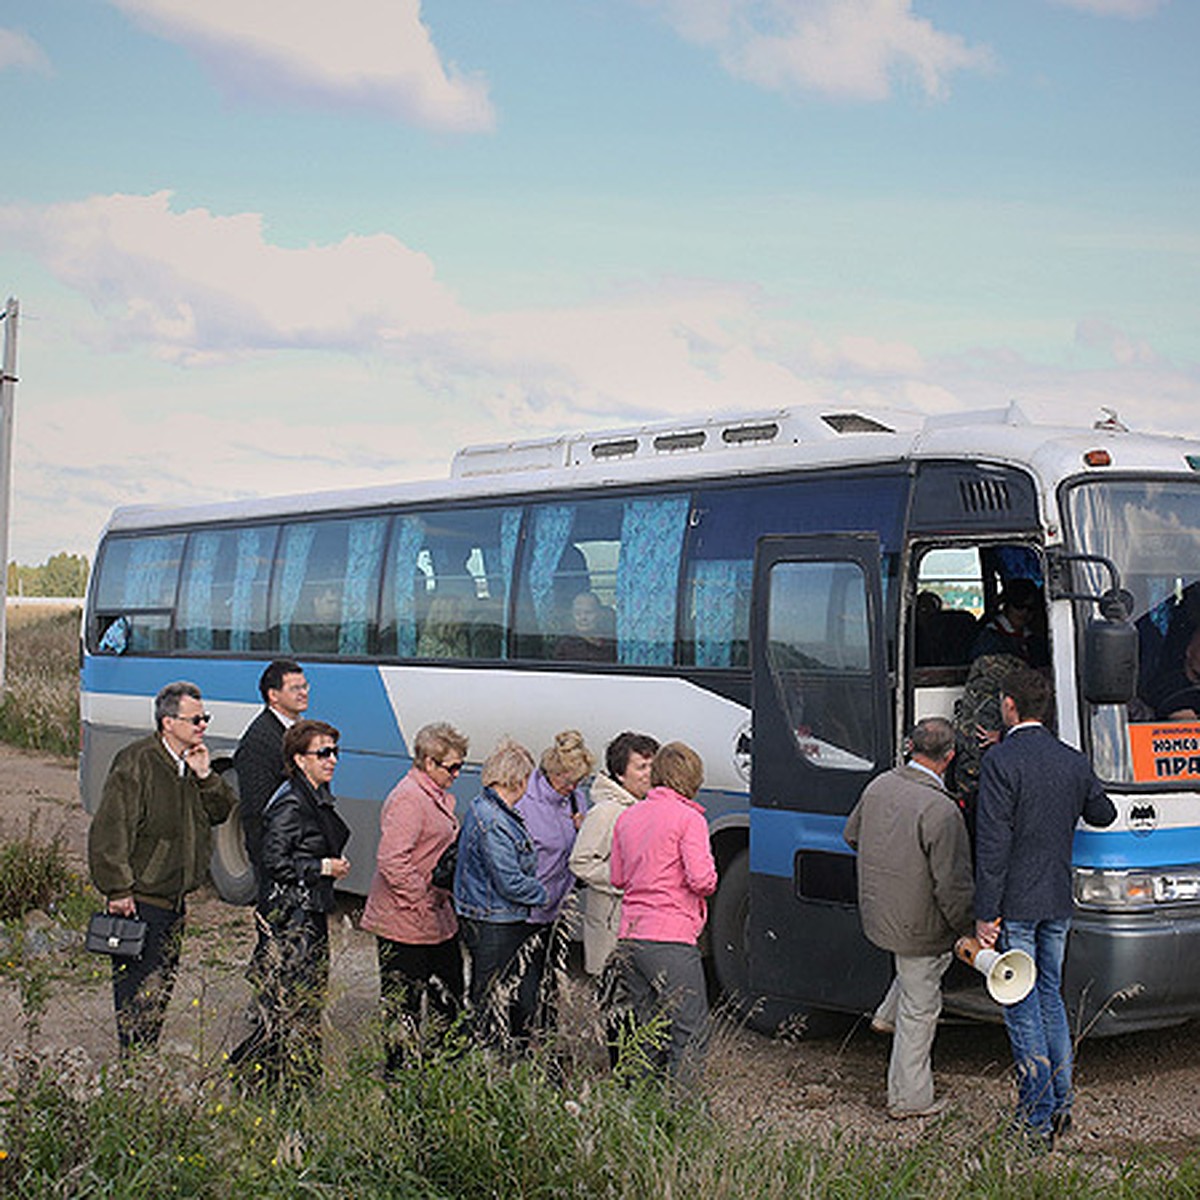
{"x":40,"y":708}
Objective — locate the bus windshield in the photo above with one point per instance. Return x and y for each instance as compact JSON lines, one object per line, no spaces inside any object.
{"x":1151,"y":531}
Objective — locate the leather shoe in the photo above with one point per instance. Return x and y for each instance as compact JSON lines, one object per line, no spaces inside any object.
{"x":932,"y":1110}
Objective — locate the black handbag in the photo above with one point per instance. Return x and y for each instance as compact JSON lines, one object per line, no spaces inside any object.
{"x":122,"y":937}
{"x":443,"y":869}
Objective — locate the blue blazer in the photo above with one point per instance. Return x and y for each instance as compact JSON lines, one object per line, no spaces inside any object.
{"x":1032,"y":791}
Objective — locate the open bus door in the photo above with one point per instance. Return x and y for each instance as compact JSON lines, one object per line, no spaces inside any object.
{"x":822,"y":730}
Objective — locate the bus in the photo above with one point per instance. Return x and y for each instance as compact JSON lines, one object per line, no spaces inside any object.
{"x":787,"y":591}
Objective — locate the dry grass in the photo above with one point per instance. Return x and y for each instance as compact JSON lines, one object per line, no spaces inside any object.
{"x":40,"y":708}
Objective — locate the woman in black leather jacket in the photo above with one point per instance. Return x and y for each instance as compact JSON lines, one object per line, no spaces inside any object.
{"x":303,"y":839}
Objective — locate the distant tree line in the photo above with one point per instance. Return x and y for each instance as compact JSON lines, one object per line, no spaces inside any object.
{"x":60,"y":575}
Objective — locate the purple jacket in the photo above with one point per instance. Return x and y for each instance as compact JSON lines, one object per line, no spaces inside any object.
{"x":547,"y":817}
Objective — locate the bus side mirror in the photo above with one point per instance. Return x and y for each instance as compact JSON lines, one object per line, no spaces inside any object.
{"x":1110,"y":661}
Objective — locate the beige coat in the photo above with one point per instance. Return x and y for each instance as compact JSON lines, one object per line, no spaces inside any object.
{"x":590,"y":862}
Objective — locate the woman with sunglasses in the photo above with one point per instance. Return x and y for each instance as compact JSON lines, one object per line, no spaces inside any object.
{"x":303,"y":839}
{"x":412,"y":918}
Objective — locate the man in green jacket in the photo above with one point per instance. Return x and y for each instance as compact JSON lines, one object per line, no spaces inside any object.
{"x":149,"y":846}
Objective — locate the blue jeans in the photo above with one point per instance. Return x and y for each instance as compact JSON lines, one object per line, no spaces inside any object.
{"x":1037,"y":1027}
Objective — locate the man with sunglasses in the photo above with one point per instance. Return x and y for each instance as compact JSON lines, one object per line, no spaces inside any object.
{"x":149,"y":846}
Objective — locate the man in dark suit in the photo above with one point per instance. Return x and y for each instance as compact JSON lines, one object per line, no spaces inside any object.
{"x":258,"y":758}
{"x":258,"y":761}
{"x":1033,"y":790}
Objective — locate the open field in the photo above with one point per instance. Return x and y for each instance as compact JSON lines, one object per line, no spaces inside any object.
{"x":1136,"y":1094}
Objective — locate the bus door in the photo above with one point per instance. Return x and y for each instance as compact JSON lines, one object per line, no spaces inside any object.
{"x":822,"y":730}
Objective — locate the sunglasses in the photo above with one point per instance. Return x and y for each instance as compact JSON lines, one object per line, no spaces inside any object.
{"x":451,"y":768}
{"x":198,"y":720}
{"x":324,"y":752}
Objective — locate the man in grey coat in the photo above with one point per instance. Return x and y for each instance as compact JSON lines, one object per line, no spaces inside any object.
{"x":914,"y":897}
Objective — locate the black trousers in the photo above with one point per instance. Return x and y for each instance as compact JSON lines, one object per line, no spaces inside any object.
{"x":142,"y":987}
{"x":287,"y":1047}
{"x":500,"y":1013}
{"x":408,"y":972}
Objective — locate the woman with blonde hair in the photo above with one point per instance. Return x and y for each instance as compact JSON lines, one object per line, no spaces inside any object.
{"x":553,"y":809}
{"x":495,"y":885}
{"x":413,"y":920}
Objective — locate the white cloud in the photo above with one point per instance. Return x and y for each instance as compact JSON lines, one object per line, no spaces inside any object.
{"x":19,"y":51}
{"x":375,"y":55}
{"x":1125,"y":350}
{"x":1132,"y":9}
{"x":844,"y":49}
{"x":192,"y":285}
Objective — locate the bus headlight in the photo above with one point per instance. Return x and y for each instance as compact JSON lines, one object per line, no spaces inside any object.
{"x":1136,"y":889}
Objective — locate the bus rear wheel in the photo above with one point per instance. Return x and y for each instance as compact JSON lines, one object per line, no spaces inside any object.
{"x":729,"y":927}
{"x":232,"y":873}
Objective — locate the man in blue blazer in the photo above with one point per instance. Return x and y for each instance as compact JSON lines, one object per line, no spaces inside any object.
{"x":1033,"y":790}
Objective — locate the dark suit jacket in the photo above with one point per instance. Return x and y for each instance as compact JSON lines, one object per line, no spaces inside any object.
{"x":258,"y":761}
{"x":1032,"y":791}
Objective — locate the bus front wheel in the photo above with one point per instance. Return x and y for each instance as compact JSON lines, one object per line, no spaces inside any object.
{"x":232,"y":872}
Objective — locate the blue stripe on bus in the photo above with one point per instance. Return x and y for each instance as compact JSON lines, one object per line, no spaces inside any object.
{"x":777,"y":834}
{"x":349,"y":695}
{"x":1157,"y":848}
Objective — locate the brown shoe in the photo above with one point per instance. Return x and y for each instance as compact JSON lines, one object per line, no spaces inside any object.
{"x":903,"y":1114}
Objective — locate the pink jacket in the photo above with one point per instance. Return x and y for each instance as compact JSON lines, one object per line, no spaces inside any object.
{"x":662,"y":860}
{"x":416,"y":825}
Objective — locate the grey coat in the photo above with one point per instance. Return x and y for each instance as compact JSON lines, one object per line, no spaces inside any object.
{"x":914,"y":863}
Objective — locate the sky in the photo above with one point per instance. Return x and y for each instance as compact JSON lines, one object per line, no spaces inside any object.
{"x":268,"y":246}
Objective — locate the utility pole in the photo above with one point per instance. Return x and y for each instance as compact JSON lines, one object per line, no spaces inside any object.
{"x":8,"y":397}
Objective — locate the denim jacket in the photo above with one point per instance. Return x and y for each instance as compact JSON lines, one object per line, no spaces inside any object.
{"x":495,"y":878}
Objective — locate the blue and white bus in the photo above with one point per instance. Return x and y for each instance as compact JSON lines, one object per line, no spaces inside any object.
{"x":753,"y":589}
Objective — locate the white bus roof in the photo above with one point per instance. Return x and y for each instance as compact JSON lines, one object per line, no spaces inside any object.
{"x":740,"y":444}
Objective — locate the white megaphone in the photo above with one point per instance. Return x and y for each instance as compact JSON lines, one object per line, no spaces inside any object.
{"x":1010,"y":976}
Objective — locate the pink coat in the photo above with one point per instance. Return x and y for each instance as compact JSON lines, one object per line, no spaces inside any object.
{"x":662,"y":860}
{"x":416,"y":825}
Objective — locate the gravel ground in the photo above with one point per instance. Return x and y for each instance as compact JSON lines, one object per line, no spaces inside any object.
{"x":1134,"y":1092}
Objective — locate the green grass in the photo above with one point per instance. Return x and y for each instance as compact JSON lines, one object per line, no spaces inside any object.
{"x":40,"y":708}
{"x":469,"y":1127}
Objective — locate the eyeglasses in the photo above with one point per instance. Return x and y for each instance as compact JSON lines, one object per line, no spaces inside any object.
{"x":451,"y":768}
{"x":198,"y":720}
{"x":324,"y":752}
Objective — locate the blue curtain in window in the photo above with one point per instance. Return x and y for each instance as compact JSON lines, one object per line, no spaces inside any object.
{"x":362,"y":572}
{"x":195,"y":608}
{"x":647,"y":575}
{"x":410,"y":537}
{"x":152,"y":571}
{"x":551,"y":528}
{"x":716,"y":588}
{"x":252,"y":547}
{"x":297,"y":544}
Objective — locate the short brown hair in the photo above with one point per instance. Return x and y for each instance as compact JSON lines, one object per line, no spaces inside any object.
{"x":1029,"y":691}
{"x":618,"y":751}
{"x":298,"y":737}
{"x":678,"y":767}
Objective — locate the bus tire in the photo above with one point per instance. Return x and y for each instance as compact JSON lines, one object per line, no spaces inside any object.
{"x":729,"y":926}
{"x":230,"y":866}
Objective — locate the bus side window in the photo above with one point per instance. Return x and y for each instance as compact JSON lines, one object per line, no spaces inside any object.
{"x":623,"y":554}
{"x":138,"y":577}
{"x":326,"y":585}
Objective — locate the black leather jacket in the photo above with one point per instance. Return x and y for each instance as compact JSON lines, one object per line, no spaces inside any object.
{"x":301,"y":827}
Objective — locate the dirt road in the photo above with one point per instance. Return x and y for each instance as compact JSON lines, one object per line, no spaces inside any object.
{"x":1137,"y":1090}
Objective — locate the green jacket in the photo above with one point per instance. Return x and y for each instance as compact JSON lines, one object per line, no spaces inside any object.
{"x":151,"y":835}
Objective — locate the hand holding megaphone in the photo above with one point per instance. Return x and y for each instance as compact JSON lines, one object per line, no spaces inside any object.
{"x":1010,"y":976}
